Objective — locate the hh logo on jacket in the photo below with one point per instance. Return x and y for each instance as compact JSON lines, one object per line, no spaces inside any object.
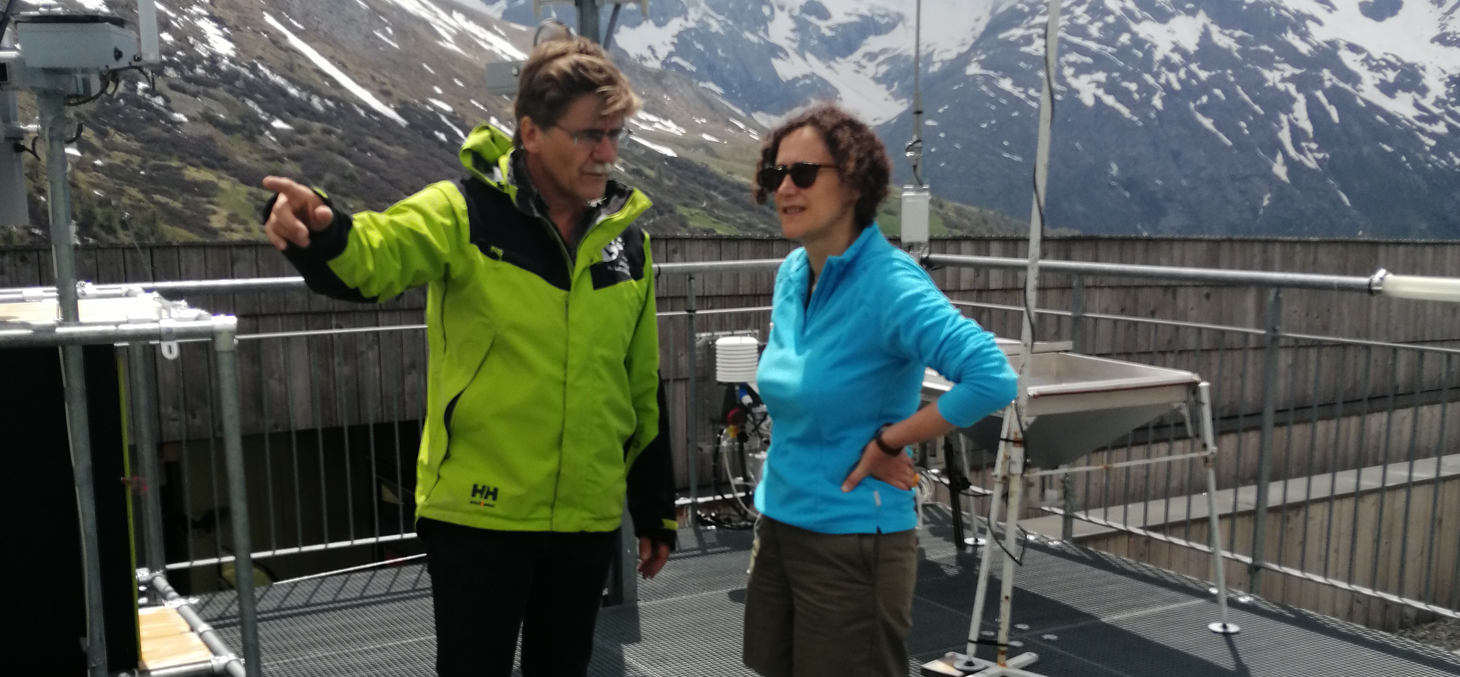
{"x":481,"y":494}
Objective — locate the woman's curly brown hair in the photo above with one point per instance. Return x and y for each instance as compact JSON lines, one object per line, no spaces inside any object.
{"x":860,"y":159}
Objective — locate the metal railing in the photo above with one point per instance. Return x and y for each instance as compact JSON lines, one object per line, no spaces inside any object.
{"x":1318,"y":433}
{"x":1346,"y":445}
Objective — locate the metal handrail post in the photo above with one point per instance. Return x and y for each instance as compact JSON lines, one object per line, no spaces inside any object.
{"x":1264,"y":444}
{"x":1209,"y":445}
{"x":225,"y":344}
{"x":692,"y":422}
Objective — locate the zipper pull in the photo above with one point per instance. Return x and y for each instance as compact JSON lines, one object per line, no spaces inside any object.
{"x":495,"y":253}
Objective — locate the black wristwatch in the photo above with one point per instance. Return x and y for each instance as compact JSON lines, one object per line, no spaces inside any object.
{"x":882,"y":444}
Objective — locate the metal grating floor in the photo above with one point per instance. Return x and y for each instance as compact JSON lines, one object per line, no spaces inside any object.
{"x":1088,"y":614}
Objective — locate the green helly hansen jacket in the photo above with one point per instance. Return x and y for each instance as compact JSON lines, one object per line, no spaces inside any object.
{"x":543,"y":365}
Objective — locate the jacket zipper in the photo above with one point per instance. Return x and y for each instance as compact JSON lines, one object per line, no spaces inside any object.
{"x":568,"y":261}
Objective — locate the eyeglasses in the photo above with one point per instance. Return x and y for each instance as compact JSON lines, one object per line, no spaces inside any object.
{"x":593,"y":136}
{"x":803,"y":174}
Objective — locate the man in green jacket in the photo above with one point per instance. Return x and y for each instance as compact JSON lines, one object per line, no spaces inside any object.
{"x":543,"y":403}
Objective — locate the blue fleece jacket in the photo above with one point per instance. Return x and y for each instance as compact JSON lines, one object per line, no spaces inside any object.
{"x":836,"y":369}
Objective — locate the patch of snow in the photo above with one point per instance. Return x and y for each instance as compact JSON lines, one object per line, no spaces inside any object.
{"x":1087,"y":87}
{"x":645,"y":120}
{"x":1411,"y":36}
{"x":1280,"y":168}
{"x":1030,"y":97}
{"x":280,"y":82}
{"x":651,"y":44}
{"x":1248,"y":99}
{"x":441,"y":104}
{"x":280,"y":124}
{"x":1209,"y":124}
{"x":215,"y":39}
{"x":681,"y":63}
{"x":664,"y":150}
{"x":450,"y":24}
{"x":1285,"y":135}
{"x":709,"y":138}
{"x":324,"y":64}
{"x":459,"y":133}
{"x":1182,"y":33}
{"x":387,"y":41}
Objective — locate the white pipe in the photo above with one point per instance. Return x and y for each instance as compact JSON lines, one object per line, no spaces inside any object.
{"x":1421,"y":288}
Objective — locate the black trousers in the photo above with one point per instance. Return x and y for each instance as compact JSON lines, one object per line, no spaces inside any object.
{"x":486,"y":585}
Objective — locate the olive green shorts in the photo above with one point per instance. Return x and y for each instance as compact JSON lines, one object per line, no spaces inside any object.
{"x":829,"y":604}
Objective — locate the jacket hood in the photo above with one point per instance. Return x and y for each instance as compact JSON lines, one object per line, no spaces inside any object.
{"x":483,"y":153}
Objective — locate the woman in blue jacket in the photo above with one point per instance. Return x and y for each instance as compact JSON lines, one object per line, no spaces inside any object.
{"x":854,"y":322}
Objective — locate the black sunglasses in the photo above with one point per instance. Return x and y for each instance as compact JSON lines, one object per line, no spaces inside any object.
{"x":803,"y":174}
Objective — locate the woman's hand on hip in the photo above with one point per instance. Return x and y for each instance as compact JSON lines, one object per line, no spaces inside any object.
{"x":897,"y":470}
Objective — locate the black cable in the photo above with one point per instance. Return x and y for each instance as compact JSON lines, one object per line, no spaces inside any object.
{"x":1039,"y":195}
{"x":744,"y":520}
{"x":22,"y":148}
{"x":110,"y":83}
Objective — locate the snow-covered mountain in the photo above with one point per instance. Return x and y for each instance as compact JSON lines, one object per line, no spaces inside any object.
{"x":1304,"y":117}
{"x":772,"y":56}
{"x":1288,"y":117}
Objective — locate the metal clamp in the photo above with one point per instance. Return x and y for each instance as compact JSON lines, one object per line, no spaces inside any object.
{"x":182,"y":601}
{"x":169,"y":338}
{"x":1376,"y":282}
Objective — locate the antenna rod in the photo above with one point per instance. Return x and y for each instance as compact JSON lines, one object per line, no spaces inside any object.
{"x":915,"y":148}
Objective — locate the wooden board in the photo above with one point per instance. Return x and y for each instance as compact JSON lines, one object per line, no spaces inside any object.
{"x":167,"y":641}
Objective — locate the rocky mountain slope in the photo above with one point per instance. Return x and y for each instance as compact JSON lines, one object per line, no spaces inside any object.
{"x":369,"y":100}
